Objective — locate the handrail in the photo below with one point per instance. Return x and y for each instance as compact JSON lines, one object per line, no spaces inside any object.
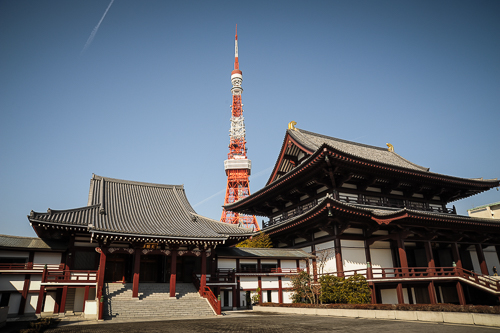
{"x":69,"y":276}
{"x":207,"y":293}
{"x":378,"y":273}
{"x":228,"y":271}
{"x":30,"y":266}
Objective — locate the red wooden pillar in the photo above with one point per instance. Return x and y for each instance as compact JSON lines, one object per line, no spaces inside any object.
{"x":460,"y":292}
{"x":203,"y":279}
{"x":100,"y":280}
{"x":26,"y":286}
{"x":260,"y":289}
{"x":368,"y":256}
{"x":137,"y":270}
{"x":482,"y":260}
{"x":338,"y":254}
{"x":456,"y":255}
{"x":39,"y":303}
{"x":374,"y":293}
{"x":235,"y":301}
{"x":280,"y":290}
{"x":430,"y":258}
{"x":62,"y":308}
{"x":432,"y":293}
{"x":173,"y":273}
{"x":403,"y":261}
{"x":85,"y":297}
{"x":399,"y":291}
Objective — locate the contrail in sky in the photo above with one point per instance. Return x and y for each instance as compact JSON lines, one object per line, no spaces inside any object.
{"x":92,"y":35}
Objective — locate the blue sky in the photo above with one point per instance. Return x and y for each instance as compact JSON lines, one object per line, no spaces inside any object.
{"x":148,"y":99}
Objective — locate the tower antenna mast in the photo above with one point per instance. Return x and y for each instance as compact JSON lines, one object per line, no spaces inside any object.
{"x":237,"y":165}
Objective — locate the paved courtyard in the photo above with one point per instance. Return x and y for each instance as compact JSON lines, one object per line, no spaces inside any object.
{"x":265,"y":322}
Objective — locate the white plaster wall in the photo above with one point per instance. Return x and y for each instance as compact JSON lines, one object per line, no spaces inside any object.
{"x":79,"y":296}
{"x":12,"y":282}
{"x":331,"y":264}
{"x":269,"y":282}
{"x":287,"y":297}
{"x":14,"y":302}
{"x":381,"y":258}
{"x":243,"y":296}
{"x":288,"y":264}
{"x":353,"y":255}
{"x":31,"y":303}
{"x":491,"y":257}
{"x":47,"y":258}
{"x":249,"y":282}
{"x":226,"y":263}
{"x":35,"y":282}
{"x":13,"y":254}
{"x":248,"y":261}
{"x":269,"y":261}
{"x":475,"y":261}
{"x":302,"y":264}
{"x":285,"y":282}
{"x":50,"y":301}
{"x":389,"y":296}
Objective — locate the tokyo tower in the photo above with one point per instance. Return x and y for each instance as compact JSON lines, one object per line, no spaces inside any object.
{"x":237,"y":166}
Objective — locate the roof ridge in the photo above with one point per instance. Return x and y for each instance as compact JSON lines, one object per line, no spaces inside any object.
{"x":133,"y":182}
{"x":341,"y":140}
{"x":52,"y":211}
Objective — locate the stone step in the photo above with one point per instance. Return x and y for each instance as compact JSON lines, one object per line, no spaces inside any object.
{"x":154,"y":301}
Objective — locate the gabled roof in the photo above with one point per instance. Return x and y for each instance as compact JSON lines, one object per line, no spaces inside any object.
{"x":30,"y":243}
{"x":122,"y":207}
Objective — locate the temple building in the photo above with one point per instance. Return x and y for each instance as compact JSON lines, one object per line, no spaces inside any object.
{"x":367,"y":210}
{"x":137,"y":241}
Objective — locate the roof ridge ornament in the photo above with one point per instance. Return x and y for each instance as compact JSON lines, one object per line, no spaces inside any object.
{"x":291,"y":125}
{"x":390,"y":147}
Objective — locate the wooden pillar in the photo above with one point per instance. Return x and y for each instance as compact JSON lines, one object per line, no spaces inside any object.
{"x":403,"y":261}
{"x":430,"y":258}
{"x":100,"y":280}
{"x":259,"y":266}
{"x":369,"y":264}
{"x":62,"y":308}
{"x":338,"y":253}
{"x":26,"y":286}
{"x":280,"y":290}
{"x":460,"y":292}
{"x":85,"y":297}
{"x":238,"y":288}
{"x":235,"y":302}
{"x":173,"y":273}
{"x":137,"y":270}
{"x":39,"y":303}
{"x":203,"y":278}
{"x":456,"y":255}
{"x":399,"y":291}
{"x":482,"y":260}
{"x":260,"y":289}
{"x":374,"y":293}
{"x":432,"y":293}
{"x":314,"y":264}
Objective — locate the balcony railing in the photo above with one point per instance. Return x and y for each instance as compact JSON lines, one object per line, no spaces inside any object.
{"x":29,"y":266}
{"x":360,"y":200}
{"x":69,"y":277}
{"x":262,"y":270}
{"x":383,"y":274}
{"x":207,"y":293}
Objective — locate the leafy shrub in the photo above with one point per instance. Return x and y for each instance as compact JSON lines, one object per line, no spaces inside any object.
{"x":353,"y":290}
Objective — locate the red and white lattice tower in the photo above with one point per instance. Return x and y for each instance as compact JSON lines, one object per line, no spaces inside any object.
{"x":237,"y":165}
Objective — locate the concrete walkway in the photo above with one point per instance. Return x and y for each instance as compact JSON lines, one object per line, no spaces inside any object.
{"x":253,"y":321}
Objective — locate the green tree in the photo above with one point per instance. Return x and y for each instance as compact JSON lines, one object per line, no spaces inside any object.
{"x":261,"y":240}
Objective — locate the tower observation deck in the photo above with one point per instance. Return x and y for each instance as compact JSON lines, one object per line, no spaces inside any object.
{"x":237,"y":165}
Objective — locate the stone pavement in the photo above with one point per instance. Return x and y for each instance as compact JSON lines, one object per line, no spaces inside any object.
{"x":248,"y":321}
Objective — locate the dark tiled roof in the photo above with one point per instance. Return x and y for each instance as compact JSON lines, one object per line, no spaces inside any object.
{"x":135,"y":208}
{"x":262,"y":252}
{"x":313,"y":141}
{"x":33,"y":243}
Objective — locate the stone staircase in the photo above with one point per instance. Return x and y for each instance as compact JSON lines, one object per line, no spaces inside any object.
{"x":154,"y":301}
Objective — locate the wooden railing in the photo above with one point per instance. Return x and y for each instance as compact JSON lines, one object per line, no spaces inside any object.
{"x":381,"y":274}
{"x":207,"y":293}
{"x":69,"y":276}
{"x":30,"y":266}
{"x":228,"y":271}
